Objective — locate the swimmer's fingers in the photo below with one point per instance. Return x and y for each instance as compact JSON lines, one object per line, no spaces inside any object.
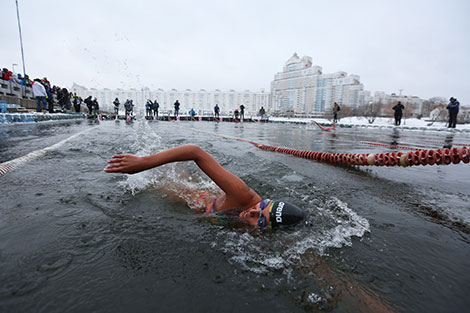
{"x":113,"y":168}
{"x":118,"y":168}
{"x":126,"y":163}
{"x":120,"y":157}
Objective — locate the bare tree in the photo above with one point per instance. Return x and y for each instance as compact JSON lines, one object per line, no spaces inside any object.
{"x":387,"y":110}
{"x":370,"y":111}
{"x":427,"y":107}
{"x":465,"y":115}
{"x":435,"y":109}
{"x":346,"y":111}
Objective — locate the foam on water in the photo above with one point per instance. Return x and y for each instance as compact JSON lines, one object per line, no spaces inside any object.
{"x":332,"y":225}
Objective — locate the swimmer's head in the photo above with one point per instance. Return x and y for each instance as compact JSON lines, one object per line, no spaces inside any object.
{"x":273,"y":214}
{"x":284,"y":214}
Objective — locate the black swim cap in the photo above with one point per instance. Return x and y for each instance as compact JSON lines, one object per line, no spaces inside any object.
{"x":282,"y":213}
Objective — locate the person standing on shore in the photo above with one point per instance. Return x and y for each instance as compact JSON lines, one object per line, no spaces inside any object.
{"x":336,"y":109}
{"x":116,"y":106}
{"x":242,"y":111}
{"x":89,"y":104}
{"x":177,"y":108}
{"x":453,"y":108}
{"x":40,"y":94}
{"x":236,"y":113}
{"x":262,"y":112}
{"x":155,"y":107}
{"x":398,"y":108}
{"x":216,"y":111}
{"x":148,"y":108}
{"x":129,"y":106}
{"x":96,"y":106}
{"x":76,"y":103}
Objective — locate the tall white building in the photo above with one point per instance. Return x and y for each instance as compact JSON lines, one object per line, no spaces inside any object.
{"x":302,"y":88}
{"x":202,"y":101}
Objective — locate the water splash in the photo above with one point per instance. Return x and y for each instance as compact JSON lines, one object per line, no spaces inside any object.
{"x":332,"y":225}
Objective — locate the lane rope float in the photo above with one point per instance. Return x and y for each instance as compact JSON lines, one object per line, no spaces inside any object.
{"x":417,"y":157}
{"x":8,"y":166}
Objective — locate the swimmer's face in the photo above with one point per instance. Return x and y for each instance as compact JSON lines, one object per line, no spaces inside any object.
{"x":252,"y":215}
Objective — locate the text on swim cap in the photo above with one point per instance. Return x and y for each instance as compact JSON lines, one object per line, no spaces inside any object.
{"x":279,"y":212}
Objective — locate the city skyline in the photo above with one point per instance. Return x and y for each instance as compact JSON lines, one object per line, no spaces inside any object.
{"x":301,"y":88}
{"x":419,"y":47}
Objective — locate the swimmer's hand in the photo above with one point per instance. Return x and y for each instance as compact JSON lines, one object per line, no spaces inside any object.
{"x":126,"y":163}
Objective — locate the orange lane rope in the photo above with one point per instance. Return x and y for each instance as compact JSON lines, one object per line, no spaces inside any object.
{"x":417,"y":157}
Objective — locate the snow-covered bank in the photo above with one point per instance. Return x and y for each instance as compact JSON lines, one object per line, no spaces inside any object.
{"x":380,"y":122}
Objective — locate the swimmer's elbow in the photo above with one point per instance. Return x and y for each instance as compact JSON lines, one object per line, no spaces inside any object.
{"x":196,"y":151}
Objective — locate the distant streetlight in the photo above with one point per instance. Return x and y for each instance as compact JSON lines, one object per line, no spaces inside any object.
{"x":21,"y":37}
{"x":13,"y":67}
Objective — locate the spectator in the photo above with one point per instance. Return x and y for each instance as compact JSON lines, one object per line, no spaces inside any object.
{"x":242,"y":111}
{"x":192,"y":113}
{"x":261,"y":112}
{"x":96,"y":106}
{"x":129,"y":106}
{"x":27,"y":81}
{"x":6,"y":74}
{"x":236,"y":113}
{"x":453,"y":108}
{"x":40,"y":94}
{"x":216,"y":110}
{"x":20,"y":80}
{"x":398,"y":108}
{"x":50,"y":96}
{"x":116,"y":106}
{"x":17,"y":79}
{"x":76,"y":102}
{"x":155,"y":107}
{"x":89,"y":104}
{"x":3,"y":73}
{"x":336,"y":109}
{"x":46,"y":83}
{"x":63,"y":97}
{"x":177,"y":108}
{"x":148,"y":108}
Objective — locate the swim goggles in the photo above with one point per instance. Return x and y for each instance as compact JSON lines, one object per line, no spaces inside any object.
{"x":262,"y":218}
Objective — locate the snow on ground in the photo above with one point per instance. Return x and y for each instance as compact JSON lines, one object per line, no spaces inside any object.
{"x":380,"y":122}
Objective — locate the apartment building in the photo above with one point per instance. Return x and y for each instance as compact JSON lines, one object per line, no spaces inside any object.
{"x":303,"y":88}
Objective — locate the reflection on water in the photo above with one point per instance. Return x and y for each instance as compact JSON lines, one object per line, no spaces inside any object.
{"x":448,"y":141}
{"x":395,"y":136}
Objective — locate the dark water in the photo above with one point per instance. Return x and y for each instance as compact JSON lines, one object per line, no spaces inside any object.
{"x":75,"y":239}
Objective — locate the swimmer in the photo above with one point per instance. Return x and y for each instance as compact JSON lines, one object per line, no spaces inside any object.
{"x":237,"y":195}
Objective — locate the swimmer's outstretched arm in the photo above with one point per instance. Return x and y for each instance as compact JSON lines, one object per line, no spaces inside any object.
{"x":235,"y":189}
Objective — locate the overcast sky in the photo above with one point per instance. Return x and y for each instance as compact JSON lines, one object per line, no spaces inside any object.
{"x":420,"y":46}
